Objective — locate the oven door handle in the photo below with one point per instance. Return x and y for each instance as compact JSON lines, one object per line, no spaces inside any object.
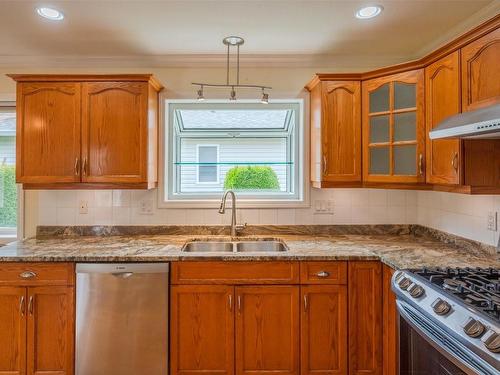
{"x":461,"y":356}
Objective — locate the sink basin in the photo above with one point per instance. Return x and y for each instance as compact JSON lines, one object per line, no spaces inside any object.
{"x":260,"y":246}
{"x":264,"y":245}
{"x":208,"y":246}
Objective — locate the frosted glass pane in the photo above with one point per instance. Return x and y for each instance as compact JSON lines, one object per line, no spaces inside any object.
{"x":405,"y":160}
{"x":379,"y":160}
{"x":404,"y":95}
{"x":405,"y":126}
{"x":379,"y":99}
{"x":379,"y":129}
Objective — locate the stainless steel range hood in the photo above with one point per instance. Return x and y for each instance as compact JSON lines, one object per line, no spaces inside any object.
{"x":481,"y":123}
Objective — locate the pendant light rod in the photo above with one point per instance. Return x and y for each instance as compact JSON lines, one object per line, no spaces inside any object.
{"x":231,"y":41}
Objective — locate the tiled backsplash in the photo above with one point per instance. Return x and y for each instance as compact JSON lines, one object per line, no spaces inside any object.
{"x":454,"y":213}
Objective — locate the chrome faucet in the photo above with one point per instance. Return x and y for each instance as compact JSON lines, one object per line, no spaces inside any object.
{"x":222,"y":210}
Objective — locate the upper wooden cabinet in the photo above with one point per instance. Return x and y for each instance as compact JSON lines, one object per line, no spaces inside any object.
{"x":87,"y":131}
{"x":480,"y":72}
{"x":442,"y":99}
{"x":335,"y":132}
{"x":394,"y":128}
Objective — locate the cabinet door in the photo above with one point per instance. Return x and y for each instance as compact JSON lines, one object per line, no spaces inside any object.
{"x":114,"y":132}
{"x":394,"y":128}
{"x":442,"y":84}
{"x":390,"y":324}
{"x":48,"y":132}
{"x":365,"y":318}
{"x":50,"y":332}
{"x":324,"y":330}
{"x":267,"y":330}
{"x":12,"y":330}
{"x":480,"y":72}
{"x":341,"y":131}
{"x":202,"y":330}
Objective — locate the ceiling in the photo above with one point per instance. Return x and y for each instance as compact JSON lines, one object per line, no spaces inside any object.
{"x":294,"y":27}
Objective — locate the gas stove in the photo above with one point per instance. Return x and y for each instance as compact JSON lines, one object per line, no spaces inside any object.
{"x":457,"y":309}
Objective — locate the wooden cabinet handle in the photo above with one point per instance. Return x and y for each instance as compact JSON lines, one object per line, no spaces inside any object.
{"x":77,"y":165}
{"x":27,"y":275}
{"x":22,"y":306}
{"x":323,"y":274}
{"x":239,"y":303}
{"x":30,"y":305}
{"x":230,"y":302}
{"x":421,"y":164}
{"x":84,"y":167}
{"x":305,"y":302}
{"x":324,"y":165}
{"x":454,"y":162}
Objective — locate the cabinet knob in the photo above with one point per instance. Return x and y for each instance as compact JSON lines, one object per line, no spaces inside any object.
{"x":77,"y":166}
{"x":22,"y":306}
{"x":84,"y":167}
{"x":421,"y":164}
{"x":27,"y":274}
{"x":454,"y":162}
{"x":323,"y":274}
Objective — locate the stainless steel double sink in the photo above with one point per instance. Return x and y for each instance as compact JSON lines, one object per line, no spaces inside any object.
{"x":236,"y":246}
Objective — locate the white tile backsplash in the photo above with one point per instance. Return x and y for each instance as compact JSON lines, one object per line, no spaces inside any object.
{"x":459,"y":214}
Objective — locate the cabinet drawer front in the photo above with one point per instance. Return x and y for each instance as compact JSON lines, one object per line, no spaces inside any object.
{"x":235,"y":272}
{"x":323,"y":273}
{"x":36,"y":274}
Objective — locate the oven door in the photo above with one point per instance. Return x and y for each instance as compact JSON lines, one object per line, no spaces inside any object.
{"x":426,"y":349}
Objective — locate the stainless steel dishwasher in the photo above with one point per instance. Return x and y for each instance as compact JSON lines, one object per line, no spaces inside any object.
{"x":121,"y":319}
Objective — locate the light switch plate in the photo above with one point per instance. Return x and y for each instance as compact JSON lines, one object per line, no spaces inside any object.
{"x":492,"y":221}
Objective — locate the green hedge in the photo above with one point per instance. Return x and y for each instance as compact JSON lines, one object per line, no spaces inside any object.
{"x":8,"y":196}
{"x":251,"y":177}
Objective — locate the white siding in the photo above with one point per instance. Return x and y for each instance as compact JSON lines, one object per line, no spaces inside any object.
{"x":232,"y":150}
{"x":8,"y":150}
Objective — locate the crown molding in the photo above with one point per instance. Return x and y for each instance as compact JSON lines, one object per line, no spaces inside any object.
{"x":337,"y":62}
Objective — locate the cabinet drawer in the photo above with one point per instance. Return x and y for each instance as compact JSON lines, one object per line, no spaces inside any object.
{"x":235,"y":272}
{"x":323,"y":272}
{"x":37,"y":274}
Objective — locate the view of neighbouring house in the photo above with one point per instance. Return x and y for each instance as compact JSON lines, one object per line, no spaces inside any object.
{"x":8,"y":190}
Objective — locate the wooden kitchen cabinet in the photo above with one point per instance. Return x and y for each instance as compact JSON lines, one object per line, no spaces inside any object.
{"x":443,"y":99}
{"x":480,"y":72}
{"x":36,"y":319}
{"x":48,"y":132}
{"x":12,"y":330}
{"x":267,"y":330}
{"x":202,"y":329}
{"x":394,"y":128}
{"x":50,"y":330}
{"x":324,"y":330}
{"x":335,"y":132}
{"x":87,"y":131}
{"x":390,"y":336}
{"x":365,"y":318}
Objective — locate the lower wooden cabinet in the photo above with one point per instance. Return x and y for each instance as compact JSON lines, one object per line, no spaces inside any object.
{"x":390,"y":336}
{"x":202,"y":329}
{"x":323,"y":330}
{"x":267,"y":330}
{"x":365,"y":317}
{"x":36,"y":320}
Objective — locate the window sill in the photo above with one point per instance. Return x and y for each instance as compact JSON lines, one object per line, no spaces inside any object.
{"x":240,"y":203}
{"x":6,"y":239}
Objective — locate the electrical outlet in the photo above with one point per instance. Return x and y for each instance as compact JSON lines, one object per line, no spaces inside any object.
{"x":323,"y":207}
{"x":146,"y":207}
{"x":492,"y":221}
{"x":83,"y":207}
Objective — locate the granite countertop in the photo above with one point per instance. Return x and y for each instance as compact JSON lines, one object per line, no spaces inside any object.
{"x":399,"y":250}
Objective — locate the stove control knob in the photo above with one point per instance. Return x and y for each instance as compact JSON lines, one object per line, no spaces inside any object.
{"x":473,"y":327}
{"x":491,"y":340}
{"x":441,"y":307}
{"x":416,"y":291}
{"x":404,"y":283}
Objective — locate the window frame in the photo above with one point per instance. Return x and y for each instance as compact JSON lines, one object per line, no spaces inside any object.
{"x":8,"y":234}
{"x":301,"y":144}
{"x":217,"y":182}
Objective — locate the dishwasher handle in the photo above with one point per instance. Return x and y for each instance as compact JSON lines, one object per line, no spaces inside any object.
{"x":123,"y":275}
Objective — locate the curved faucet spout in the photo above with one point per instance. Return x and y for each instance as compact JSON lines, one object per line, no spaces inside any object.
{"x":222,"y":210}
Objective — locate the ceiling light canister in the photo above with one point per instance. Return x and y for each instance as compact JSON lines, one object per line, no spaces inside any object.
{"x":50,"y":13}
{"x":369,"y":12}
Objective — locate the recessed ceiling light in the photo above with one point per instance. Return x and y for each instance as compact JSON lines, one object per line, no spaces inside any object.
{"x":369,"y":11}
{"x":50,"y":13}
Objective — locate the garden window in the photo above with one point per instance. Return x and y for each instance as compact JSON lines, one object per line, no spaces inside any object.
{"x":8,"y":188}
{"x":252,"y":148}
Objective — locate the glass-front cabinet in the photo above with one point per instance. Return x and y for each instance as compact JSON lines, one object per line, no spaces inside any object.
{"x":394,"y":128}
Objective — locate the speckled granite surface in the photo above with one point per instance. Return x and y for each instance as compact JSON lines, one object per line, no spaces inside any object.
{"x":398,"y":246}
